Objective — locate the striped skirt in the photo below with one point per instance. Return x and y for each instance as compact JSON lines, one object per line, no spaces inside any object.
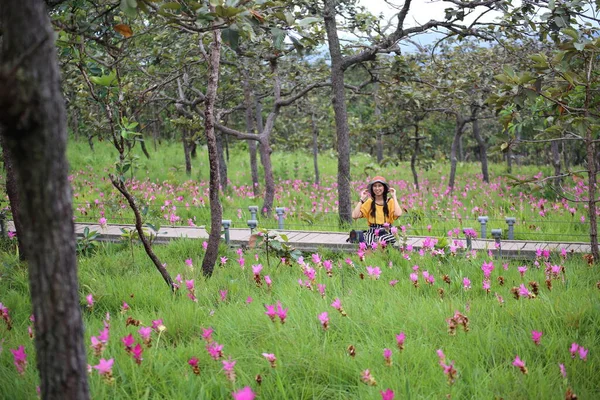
{"x":378,"y":233}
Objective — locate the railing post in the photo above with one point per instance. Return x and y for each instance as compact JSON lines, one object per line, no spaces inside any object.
{"x":252,"y":224}
{"x":467,"y":233}
{"x":511,"y":227}
{"x":497,"y":234}
{"x":280,"y":211}
{"x":226,"y":224}
{"x":253,"y":211}
{"x":483,"y":221}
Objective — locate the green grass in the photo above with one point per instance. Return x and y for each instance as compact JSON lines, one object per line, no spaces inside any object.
{"x":313,"y":363}
{"x":160,"y":184}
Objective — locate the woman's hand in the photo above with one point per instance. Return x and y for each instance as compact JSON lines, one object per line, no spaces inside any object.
{"x":392,"y":192}
{"x":364,"y":195}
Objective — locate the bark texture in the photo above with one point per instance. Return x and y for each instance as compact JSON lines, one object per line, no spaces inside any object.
{"x":34,"y":126}
{"x":216,"y":212}
{"x":341,"y":114}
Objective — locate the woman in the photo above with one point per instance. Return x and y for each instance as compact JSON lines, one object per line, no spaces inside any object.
{"x":379,"y":210}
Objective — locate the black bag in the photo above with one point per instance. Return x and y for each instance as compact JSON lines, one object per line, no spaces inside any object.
{"x":356,"y":236}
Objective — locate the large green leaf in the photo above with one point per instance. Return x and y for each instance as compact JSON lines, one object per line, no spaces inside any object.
{"x":231,"y":37}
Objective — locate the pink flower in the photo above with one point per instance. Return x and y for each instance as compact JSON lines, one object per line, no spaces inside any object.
{"x":145,"y":332}
{"x":394,"y":282}
{"x":205,"y":245}
{"x":249,"y":300}
{"x":270,"y":312}
{"x":207,"y":334}
{"x":536,"y":336}
{"x":316,"y":258}
{"x":523,"y":291}
{"x":193,"y":361}
{"x":228,"y":368}
{"x":189,"y":263}
{"x":520,"y":364}
{"x":268,"y":281}
{"x":157,"y":325}
{"x":215,"y":350}
{"x":223,"y":260}
{"x":104,"y":367}
{"x":241,"y":261}
{"x":271,"y":359}
{"x":466,"y":283}
{"x":522,"y":270}
{"x":387,"y":395}
{"x":189,"y":284}
{"x":400,"y":340}
{"x":19,"y":359}
{"x":414,"y":277}
{"x":256,"y":269}
{"x":563,"y":371}
{"x":223,"y":294}
{"x":321,"y":289}
{"x":574,"y":349}
{"x":387,"y":355}
{"x":124,"y":307}
{"x":583,"y":353}
{"x":281,"y":312}
{"x":244,"y":394}
{"x":102,"y":221}
{"x":137,"y":353}
{"x":128,"y":341}
{"x":90,"y":301}
{"x":337,"y":304}
{"x":374,"y":272}
{"x":103,"y":335}
{"x":324,"y":318}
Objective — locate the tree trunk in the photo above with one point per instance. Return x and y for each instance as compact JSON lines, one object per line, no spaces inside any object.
{"x":222,"y":161}
{"x":554,"y":148}
{"x":315,"y":147}
{"x":482,"y":151}
{"x":90,"y":138}
{"x":185,"y":139}
{"x":33,"y":121}
{"x":460,"y":126}
{"x":13,"y":196}
{"x":341,"y":115}
{"x":216,"y":212}
{"x":264,"y":148}
{"x":252,"y":145}
{"x":250,"y":129}
{"x":592,"y":168}
{"x":377,"y":114}
{"x":413,"y":159}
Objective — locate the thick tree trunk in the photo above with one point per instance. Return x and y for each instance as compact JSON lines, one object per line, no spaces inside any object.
{"x":216,"y":212}
{"x":315,"y":147}
{"x":482,"y":151}
{"x":33,"y":120}
{"x":13,"y":196}
{"x":460,"y":126}
{"x":341,"y":115}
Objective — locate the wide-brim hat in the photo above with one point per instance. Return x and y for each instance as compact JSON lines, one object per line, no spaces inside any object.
{"x":379,"y":179}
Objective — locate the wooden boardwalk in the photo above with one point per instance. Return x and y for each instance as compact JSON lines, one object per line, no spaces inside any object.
{"x":314,"y":241}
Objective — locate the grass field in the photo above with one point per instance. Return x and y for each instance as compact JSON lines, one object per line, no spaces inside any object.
{"x":169,"y":197}
{"x":379,"y":300}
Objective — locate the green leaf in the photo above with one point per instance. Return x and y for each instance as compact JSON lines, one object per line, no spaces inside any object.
{"x":231,"y":37}
{"x":170,"y":6}
{"x":307,"y":21}
{"x":579,"y":46}
{"x":105,"y":80}
{"x":297,"y":45}
{"x":227,"y":12}
{"x":278,"y":37}
{"x":129,"y":8}
{"x":571,"y":32}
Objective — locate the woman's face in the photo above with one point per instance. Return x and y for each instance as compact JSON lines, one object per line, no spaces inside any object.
{"x":378,"y":188}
